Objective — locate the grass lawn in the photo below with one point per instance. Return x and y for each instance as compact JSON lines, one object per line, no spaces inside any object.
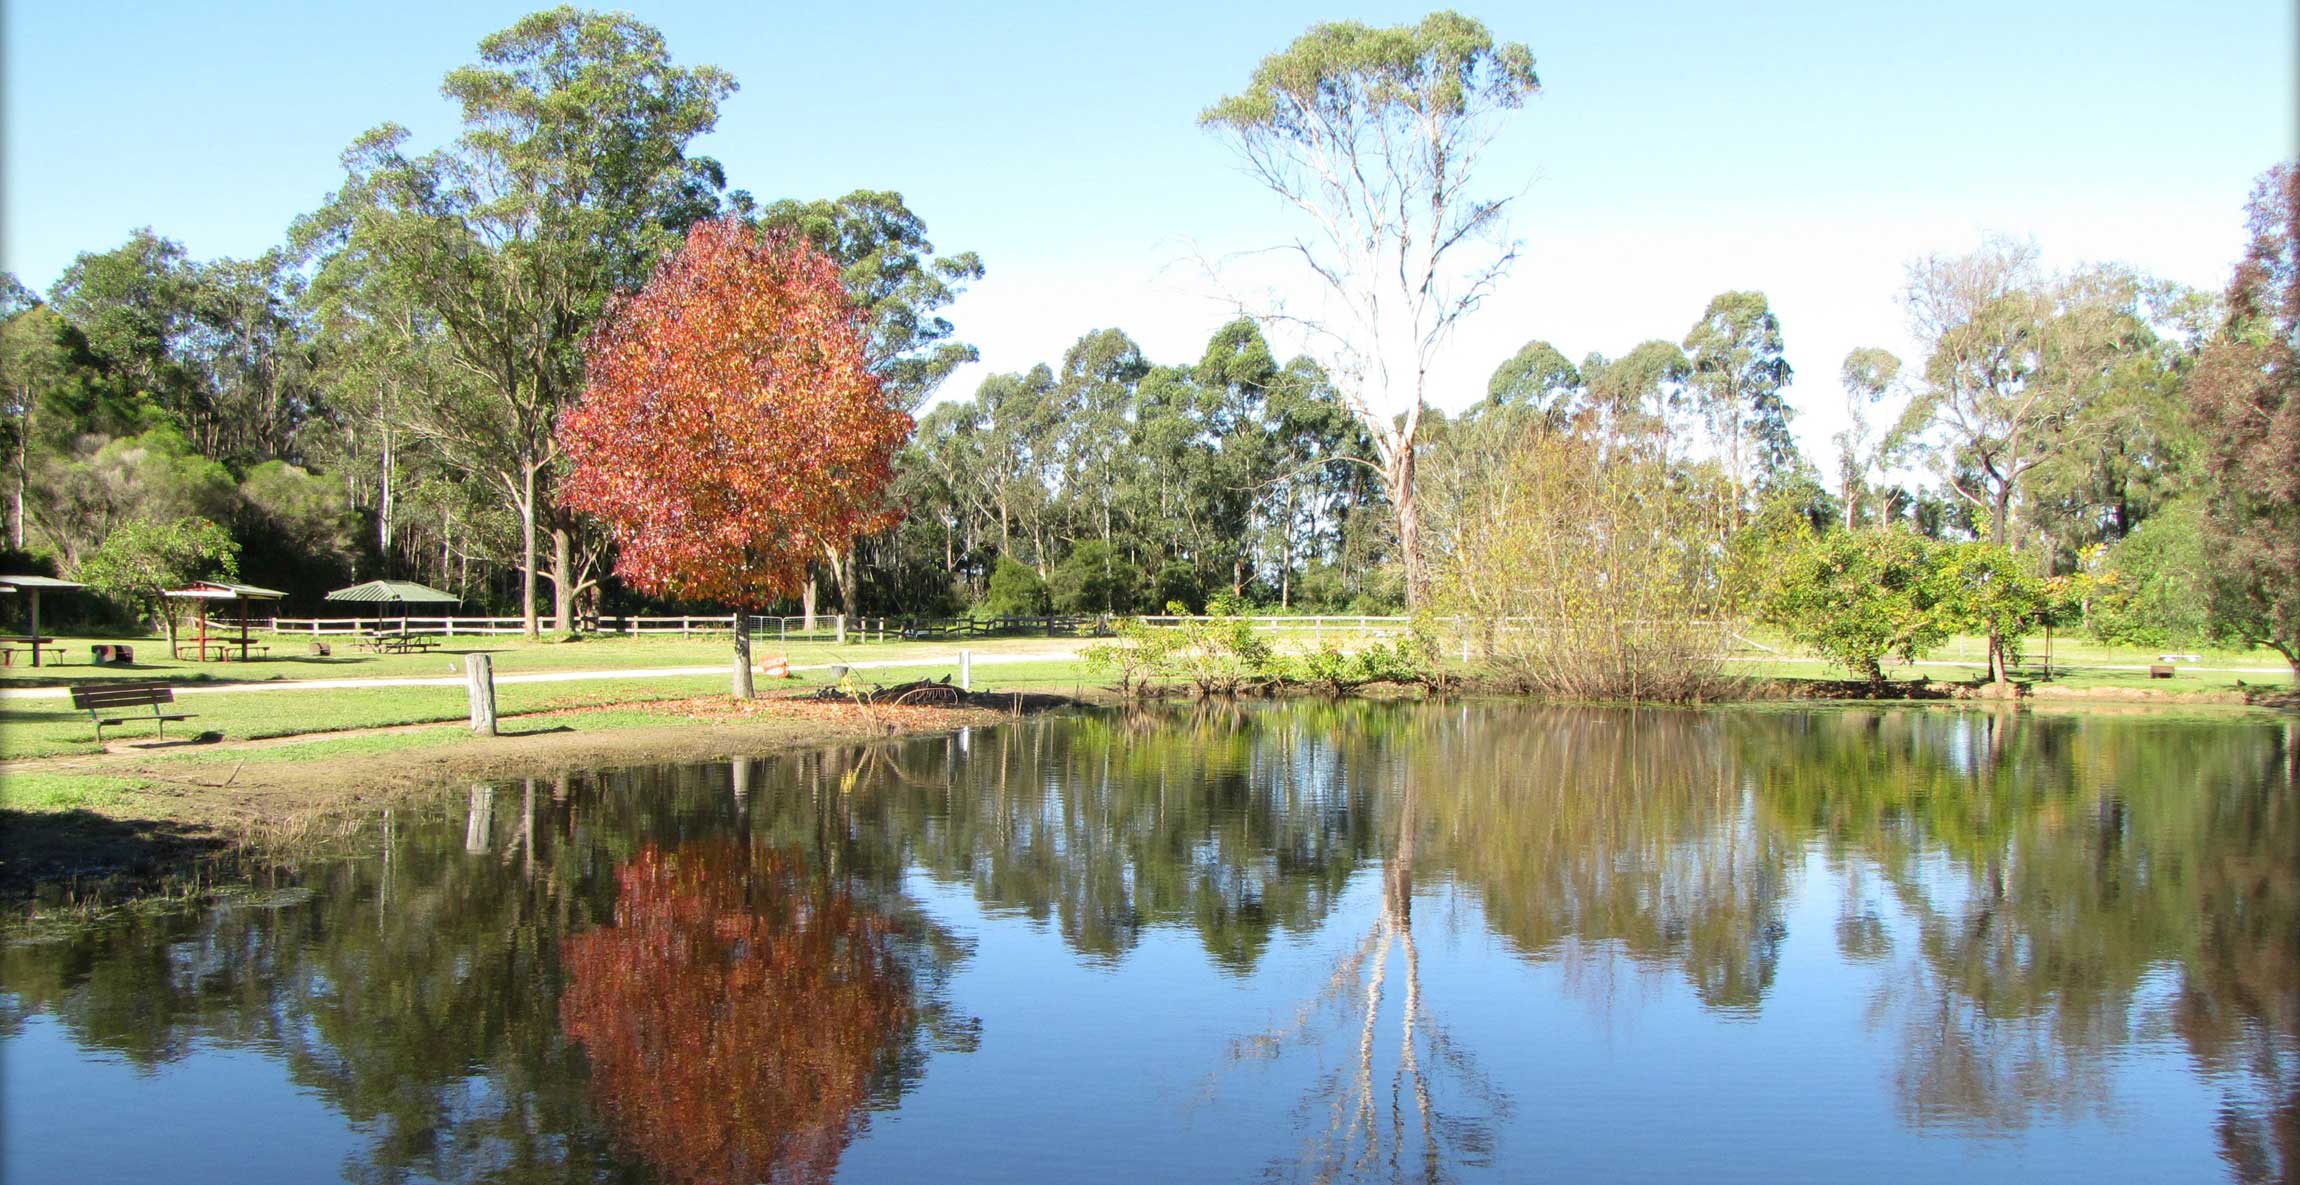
{"x":52,"y":727}
{"x":2077,"y":662}
{"x":290,"y":659}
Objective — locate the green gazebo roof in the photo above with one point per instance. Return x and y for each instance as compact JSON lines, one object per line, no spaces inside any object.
{"x":388,"y":591}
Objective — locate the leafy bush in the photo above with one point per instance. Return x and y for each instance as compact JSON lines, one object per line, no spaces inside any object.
{"x":1409,"y":660}
{"x":2153,"y":587}
{"x":1094,"y":578}
{"x":1222,"y":653}
{"x":1015,"y":591}
{"x":1855,"y":597}
{"x":1139,"y":655}
{"x":1177,"y":583}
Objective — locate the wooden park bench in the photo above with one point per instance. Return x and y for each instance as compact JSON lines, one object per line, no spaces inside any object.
{"x":98,"y":699}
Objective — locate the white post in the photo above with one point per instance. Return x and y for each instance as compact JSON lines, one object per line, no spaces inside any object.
{"x":450,"y":626}
{"x":479,"y":683}
{"x":842,"y":638}
{"x":966,"y":670}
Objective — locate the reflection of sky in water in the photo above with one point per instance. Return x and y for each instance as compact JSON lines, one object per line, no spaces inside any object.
{"x":1788,"y":970}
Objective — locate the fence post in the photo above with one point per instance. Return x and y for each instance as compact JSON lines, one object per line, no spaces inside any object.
{"x":966,"y":670}
{"x":479,"y":684}
{"x":842,"y":634}
{"x":783,"y":632}
{"x":450,"y":627}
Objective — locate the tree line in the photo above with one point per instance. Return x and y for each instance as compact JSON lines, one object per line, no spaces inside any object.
{"x":385,"y":393}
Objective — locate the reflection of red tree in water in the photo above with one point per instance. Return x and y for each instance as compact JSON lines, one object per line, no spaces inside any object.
{"x":734,"y":1012}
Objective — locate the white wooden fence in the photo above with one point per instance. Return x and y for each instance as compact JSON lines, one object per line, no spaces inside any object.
{"x":827,"y":627}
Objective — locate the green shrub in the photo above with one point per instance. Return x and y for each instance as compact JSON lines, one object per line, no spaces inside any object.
{"x":1855,"y":597}
{"x":1222,"y":653}
{"x":1015,"y":591}
{"x":1177,"y":583}
{"x":1137,"y":657}
{"x":2153,"y":588}
{"x":1094,"y":578}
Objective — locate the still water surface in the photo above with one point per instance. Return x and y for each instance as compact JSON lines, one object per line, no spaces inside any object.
{"x":1294,"y":942}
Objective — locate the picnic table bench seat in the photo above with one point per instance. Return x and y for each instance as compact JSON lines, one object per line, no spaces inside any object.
{"x":97,"y":699}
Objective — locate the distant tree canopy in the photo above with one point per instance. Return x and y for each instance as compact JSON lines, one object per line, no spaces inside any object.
{"x":389,"y":392}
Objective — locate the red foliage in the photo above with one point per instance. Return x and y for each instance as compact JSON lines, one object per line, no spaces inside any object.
{"x":735,"y":1013}
{"x":731,"y":427}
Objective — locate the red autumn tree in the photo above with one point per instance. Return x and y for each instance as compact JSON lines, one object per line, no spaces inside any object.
{"x":731,"y":426}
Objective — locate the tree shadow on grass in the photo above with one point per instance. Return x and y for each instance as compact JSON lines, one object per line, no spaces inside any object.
{"x":79,"y":852}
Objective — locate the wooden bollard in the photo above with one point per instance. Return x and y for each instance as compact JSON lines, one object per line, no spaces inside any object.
{"x":479,"y":683}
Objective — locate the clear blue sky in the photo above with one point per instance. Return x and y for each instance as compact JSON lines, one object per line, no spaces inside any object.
{"x":1806,"y":149}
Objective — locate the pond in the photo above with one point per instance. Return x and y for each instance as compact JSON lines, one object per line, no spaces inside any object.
{"x":1298,"y":941}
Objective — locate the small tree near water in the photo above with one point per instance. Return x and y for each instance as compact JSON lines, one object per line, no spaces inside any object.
{"x":1857,"y":596}
{"x":732,"y":428}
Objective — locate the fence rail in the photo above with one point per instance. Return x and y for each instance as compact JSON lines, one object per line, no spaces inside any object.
{"x":681,"y":625}
{"x":825,"y":627}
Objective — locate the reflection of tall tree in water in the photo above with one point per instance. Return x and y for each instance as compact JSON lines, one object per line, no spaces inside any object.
{"x":1418,"y":1107}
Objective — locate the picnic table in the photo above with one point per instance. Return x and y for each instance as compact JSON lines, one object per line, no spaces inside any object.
{"x":400,"y":643}
{"x":9,"y":643}
{"x":222,"y":649}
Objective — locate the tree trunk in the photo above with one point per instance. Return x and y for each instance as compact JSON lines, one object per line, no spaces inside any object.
{"x":16,"y":505}
{"x":850,"y":581}
{"x":562,"y":579}
{"x":527,"y":621}
{"x":1997,"y":672}
{"x":807,"y":603}
{"x":383,"y":498}
{"x":743,"y":687}
{"x":1398,"y":477}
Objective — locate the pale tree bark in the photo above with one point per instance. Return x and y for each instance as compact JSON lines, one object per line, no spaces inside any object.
{"x":1379,"y":158}
{"x":527,"y":620}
